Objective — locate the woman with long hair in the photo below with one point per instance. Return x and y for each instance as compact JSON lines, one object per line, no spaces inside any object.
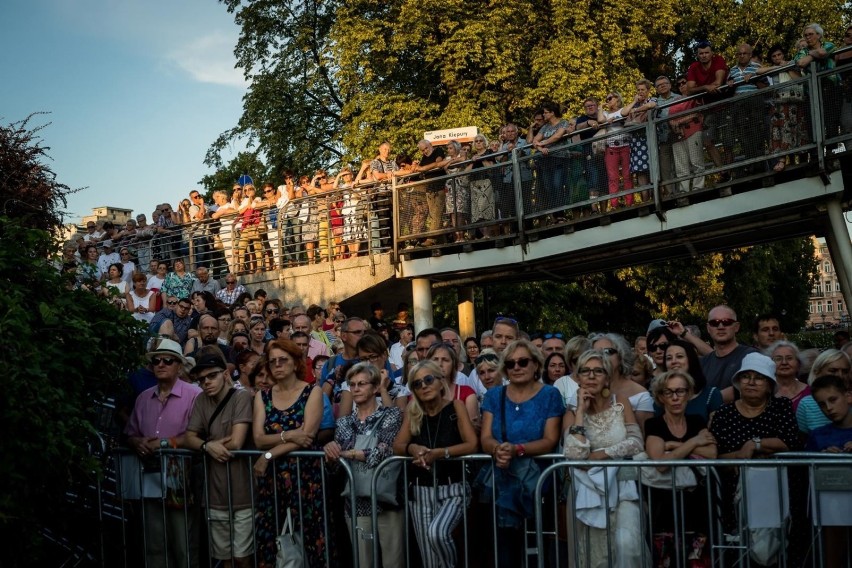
{"x":703,"y":400}
{"x":445,"y":356}
{"x":435,"y":429}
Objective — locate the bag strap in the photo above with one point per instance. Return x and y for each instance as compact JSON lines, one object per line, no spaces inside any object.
{"x":710,"y":394}
{"x":219,"y":410}
{"x":287,"y":527}
{"x":503,"y":414}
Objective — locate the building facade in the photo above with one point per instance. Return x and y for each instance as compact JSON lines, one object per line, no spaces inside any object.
{"x":826,"y":307}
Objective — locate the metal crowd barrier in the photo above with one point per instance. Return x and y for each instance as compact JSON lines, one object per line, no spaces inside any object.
{"x":788,"y":508}
{"x":807,"y":122}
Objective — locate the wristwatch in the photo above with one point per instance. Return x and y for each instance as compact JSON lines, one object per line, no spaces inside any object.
{"x":756,"y":441}
{"x":164,"y":443}
{"x":520,"y":450}
{"x":268,"y":456}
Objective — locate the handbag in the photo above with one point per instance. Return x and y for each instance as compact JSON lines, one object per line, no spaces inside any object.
{"x":291,"y":551}
{"x":599,"y":142}
{"x":362,"y":476}
{"x":684,"y":476}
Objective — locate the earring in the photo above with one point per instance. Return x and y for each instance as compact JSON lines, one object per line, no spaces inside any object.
{"x":606,"y":392}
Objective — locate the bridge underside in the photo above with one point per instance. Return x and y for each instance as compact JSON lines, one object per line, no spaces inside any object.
{"x":688,"y":227}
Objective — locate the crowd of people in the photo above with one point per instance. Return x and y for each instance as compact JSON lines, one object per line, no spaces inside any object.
{"x":282,"y":379}
{"x":562,"y":162}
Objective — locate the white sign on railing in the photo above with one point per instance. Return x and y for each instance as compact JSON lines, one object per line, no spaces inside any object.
{"x":440,"y":137}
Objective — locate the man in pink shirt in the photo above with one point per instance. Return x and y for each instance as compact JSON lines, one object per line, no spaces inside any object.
{"x":159,"y":420}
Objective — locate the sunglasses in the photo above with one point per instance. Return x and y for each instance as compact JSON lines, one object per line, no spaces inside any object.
{"x":553,"y":335}
{"x":171,"y":302}
{"x":272,"y":311}
{"x":268,"y":191}
{"x":658,"y":347}
{"x":425,"y":381}
{"x":727,"y":322}
{"x":164,"y":360}
{"x":490,"y":357}
{"x":504,"y":319}
{"x":523,"y":362}
{"x":609,"y":351}
{"x":609,"y":98}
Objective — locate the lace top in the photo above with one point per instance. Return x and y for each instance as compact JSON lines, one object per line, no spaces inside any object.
{"x":605,"y":431}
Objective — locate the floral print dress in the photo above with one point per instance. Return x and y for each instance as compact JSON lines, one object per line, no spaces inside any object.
{"x":290,"y":481}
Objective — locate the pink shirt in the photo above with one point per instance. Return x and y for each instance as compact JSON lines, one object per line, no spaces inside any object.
{"x":317,"y":347}
{"x":153,"y":419}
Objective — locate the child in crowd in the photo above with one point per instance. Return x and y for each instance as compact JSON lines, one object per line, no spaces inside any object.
{"x":834,"y":398}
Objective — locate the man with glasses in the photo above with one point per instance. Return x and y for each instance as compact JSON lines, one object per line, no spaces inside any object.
{"x":303,"y":323}
{"x":553,"y":343}
{"x":332,"y":372}
{"x":229,"y":294}
{"x":724,"y":361}
{"x":159,"y":420}
{"x":197,"y":231}
{"x":173,"y":320}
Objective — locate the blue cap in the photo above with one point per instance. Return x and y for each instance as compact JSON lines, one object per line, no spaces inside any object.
{"x":245,"y":180}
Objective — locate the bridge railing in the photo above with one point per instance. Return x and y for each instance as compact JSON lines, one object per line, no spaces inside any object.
{"x":794,"y":507}
{"x":788,"y":129}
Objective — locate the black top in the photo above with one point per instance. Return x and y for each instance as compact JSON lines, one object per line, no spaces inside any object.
{"x":439,"y":431}
{"x":657,"y":426}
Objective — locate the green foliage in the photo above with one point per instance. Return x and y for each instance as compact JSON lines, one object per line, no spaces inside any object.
{"x":243,"y":163}
{"x":63,"y":351}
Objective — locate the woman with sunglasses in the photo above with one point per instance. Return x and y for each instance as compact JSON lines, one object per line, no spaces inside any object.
{"x":703,"y":400}
{"x":444,"y":355}
{"x":601,"y":425}
{"x":487,"y":366}
{"x":617,"y":155}
{"x":621,"y":358}
{"x":368,"y":417}
{"x":658,"y":340}
{"x":519,"y":420}
{"x":286,"y":419}
{"x":435,"y":429}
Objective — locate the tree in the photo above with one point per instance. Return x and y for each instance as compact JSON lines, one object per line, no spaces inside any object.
{"x":243,"y":163}
{"x":63,"y":351}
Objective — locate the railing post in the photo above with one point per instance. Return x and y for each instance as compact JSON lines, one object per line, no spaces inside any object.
{"x":518,"y":187}
{"x":816,"y":107}
{"x":654,"y":165}
{"x":395,"y":204}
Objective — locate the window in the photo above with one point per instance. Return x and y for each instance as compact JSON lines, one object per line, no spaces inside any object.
{"x":826,"y":267}
{"x":840,"y":306}
{"x":837,"y":286}
{"x":818,"y":289}
{"x":819,"y":307}
{"x":828,"y":306}
{"x":828,"y":286}
{"x":810,"y":307}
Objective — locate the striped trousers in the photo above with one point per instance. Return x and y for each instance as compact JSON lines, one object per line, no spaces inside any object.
{"x":435,"y":512}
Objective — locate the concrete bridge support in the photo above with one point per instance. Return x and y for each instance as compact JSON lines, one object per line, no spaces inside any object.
{"x":421,"y":292}
{"x":467,"y":322}
{"x":840,"y":248}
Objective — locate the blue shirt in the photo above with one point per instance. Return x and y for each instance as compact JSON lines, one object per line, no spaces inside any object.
{"x":525,"y":421}
{"x":827,"y":436}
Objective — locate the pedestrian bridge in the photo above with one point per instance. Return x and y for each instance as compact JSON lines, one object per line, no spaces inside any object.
{"x":773,"y":165}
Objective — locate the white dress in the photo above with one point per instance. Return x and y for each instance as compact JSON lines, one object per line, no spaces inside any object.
{"x":142,"y":303}
{"x":607,"y":431}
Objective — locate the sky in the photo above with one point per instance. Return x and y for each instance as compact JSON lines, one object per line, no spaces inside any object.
{"x":137,"y":90}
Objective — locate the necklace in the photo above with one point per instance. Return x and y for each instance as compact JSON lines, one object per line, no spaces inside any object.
{"x":433,"y":441}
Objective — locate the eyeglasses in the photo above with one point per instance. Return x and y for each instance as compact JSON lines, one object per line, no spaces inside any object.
{"x":425,"y":381}
{"x":339,"y":320}
{"x":360,"y":385}
{"x":489,"y":357}
{"x":354,"y":331}
{"x":230,"y":281}
{"x":609,"y":351}
{"x":195,"y":196}
{"x":672,"y":393}
{"x":224,"y":319}
{"x":371,"y":358}
{"x":586,"y":371}
{"x":164,"y":360}
{"x":125,"y":253}
{"x":268,"y":191}
{"x":727,"y":322}
{"x":553,"y":335}
{"x":278,"y":361}
{"x":184,"y":306}
{"x":272,"y":311}
{"x":784,"y":359}
{"x":752,"y":378}
{"x":209,"y":377}
{"x":658,"y":347}
{"x":171,"y":302}
{"x":523,"y":362}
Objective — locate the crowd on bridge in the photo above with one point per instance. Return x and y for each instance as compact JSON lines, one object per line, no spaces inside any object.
{"x":229,"y":370}
{"x":320,"y":217}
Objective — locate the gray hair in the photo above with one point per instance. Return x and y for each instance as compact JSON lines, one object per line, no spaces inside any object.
{"x":815,"y":27}
{"x":367,"y":368}
{"x":769,"y":351}
{"x":587,"y":356}
{"x":486,"y":333}
{"x":625,"y":353}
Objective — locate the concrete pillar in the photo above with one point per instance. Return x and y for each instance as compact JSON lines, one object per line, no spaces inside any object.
{"x":421,"y":291}
{"x":467,"y":322}
{"x":840,"y":248}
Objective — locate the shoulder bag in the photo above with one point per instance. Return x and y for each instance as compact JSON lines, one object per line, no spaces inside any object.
{"x":291,"y":551}
{"x":362,"y":476}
